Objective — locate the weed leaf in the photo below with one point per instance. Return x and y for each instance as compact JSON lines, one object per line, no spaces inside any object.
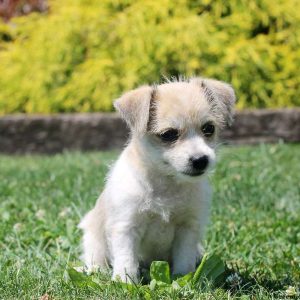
{"x":184,"y":280}
{"x":80,"y":279}
{"x":210,"y":268}
{"x":160,"y":271}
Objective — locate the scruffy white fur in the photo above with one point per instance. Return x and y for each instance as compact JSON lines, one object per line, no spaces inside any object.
{"x":152,"y":208}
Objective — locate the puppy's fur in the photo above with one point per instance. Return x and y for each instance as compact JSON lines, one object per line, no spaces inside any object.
{"x":155,"y":204}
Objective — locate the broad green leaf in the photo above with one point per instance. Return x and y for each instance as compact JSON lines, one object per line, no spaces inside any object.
{"x":210,"y":268}
{"x":184,"y":280}
{"x":213,"y":268}
{"x":158,"y":284}
{"x":162,"y":284}
{"x":160,"y":271}
{"x":80,"y":279}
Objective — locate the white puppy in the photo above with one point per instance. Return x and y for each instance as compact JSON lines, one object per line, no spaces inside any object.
{"x":156,"y":201}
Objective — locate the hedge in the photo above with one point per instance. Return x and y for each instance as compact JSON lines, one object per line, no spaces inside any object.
{"x":82,"y":54}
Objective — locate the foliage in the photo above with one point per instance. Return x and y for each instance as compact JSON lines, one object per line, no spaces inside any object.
{"x":84,"y":53}
{"x":210,"y":269}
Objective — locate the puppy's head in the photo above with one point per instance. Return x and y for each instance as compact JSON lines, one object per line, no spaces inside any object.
{"x":177,"y":123}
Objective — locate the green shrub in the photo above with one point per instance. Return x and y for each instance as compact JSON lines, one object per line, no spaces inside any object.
{"x":84,"y":53}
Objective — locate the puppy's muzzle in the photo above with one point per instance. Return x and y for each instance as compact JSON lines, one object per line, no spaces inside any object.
{"x":198,"y":165}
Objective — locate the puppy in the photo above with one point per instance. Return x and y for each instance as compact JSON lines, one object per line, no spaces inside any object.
{"x":155,"y":204}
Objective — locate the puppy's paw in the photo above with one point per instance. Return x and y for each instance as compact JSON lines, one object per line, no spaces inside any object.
{"x":183,"y":269}
{"x":88,"y":269}
{"x":123,"y":276}
{"x":93,"y":269}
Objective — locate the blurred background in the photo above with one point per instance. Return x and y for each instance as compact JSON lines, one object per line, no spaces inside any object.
{"x":79,"y":55}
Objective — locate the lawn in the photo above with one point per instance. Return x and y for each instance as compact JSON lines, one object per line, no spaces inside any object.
{"x":255,"y":224}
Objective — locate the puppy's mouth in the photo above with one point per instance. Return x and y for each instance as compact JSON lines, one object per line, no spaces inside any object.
{"x":193,"y":173}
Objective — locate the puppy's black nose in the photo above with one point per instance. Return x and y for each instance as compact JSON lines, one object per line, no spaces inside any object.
{"x":199,"y":163}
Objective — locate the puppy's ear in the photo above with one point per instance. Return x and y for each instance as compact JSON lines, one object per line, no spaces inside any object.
{"x":134,"y":107}
{"x":222,"y":92}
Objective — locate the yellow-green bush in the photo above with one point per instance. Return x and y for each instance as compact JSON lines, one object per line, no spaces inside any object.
{"x":84,"y":53}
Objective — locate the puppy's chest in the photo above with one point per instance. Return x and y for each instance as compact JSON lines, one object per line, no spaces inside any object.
{"x":170,"y":207}
{"x":157,"y":239}
{"x":161,"y":212}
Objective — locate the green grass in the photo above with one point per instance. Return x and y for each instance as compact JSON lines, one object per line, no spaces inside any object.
{"x":254,"y":225}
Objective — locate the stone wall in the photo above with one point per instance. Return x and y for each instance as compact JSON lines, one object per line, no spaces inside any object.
{"x":264,"y":126}
{"x":106,"y":131}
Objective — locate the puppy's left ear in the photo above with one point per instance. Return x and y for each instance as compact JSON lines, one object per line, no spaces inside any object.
{"x":221,"y":92}
{"x":134,"y":107}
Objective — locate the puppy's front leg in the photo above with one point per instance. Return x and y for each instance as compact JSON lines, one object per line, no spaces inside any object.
{"x":185,"y":251}
{"x":124,"y":243}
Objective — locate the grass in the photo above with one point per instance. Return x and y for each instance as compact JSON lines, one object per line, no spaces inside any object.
{"x":254,"y":225}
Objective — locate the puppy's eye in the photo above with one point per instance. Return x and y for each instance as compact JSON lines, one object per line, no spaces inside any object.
{"x":208,"y":129}
{"x":170,"y":135}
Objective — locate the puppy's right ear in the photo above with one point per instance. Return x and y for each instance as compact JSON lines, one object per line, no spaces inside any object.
{"x":134,"y":107}
{"x":222,"y":92}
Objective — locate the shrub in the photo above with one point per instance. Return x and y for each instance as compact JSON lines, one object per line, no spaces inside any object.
{"x":84,"y":53}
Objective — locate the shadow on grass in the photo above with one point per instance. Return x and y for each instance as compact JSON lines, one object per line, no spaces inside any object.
{"x":239,"y":283}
